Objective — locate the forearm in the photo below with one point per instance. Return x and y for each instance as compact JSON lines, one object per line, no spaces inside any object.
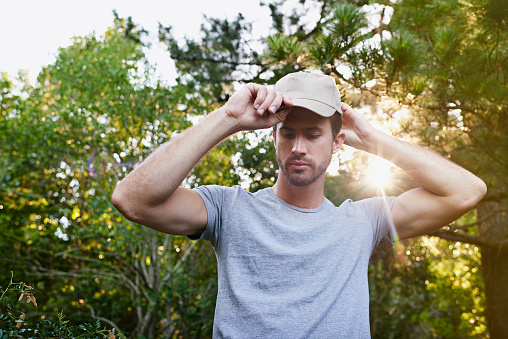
{"x":152,"y":182}
{"x":446,"y":190}
{"x":430,"y":170}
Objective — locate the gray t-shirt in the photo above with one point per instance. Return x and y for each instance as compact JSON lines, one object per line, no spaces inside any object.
{"x":288,"y":272}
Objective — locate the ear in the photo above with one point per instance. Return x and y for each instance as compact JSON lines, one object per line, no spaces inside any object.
{"x":337,"y":143}
{"x":274,"y":139}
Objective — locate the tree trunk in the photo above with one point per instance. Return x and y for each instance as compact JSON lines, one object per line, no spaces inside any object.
{"x":495,"y":266}
{"x":495,"y":276}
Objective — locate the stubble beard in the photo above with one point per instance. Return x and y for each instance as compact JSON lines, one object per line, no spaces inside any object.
{"x":301,"y":177}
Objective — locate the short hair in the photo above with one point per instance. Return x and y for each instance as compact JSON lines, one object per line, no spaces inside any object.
{"x":335,"y":122}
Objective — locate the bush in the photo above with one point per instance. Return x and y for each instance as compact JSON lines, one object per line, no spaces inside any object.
{"x":13,"y":324}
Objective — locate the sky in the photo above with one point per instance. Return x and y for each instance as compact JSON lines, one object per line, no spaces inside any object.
{"x":32,"y":31}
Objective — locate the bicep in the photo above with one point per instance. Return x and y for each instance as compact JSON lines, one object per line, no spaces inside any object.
{"x":419,"y":211}
{"x":183,"y":213}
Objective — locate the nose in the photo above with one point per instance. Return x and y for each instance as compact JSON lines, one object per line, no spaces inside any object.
{"x":299,"y":146}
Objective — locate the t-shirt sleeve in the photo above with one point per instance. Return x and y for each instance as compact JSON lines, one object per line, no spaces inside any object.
{"x":214,"y":197}
{"x":378,"y":210}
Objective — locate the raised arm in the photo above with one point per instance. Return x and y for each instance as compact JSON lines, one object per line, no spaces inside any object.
{"x":151,"y":194}
{"x":446,"y":190}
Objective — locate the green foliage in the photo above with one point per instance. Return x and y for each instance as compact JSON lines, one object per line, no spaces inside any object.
{"x":257,"y":160}
{"x":210,"y":64}
{"x":421,"y":295}
{"x":68,"y":140}
{"x":341,"y":33}
{"x":403,"y":54}
{"x":282,"y":47}
{"x":13,"y":322}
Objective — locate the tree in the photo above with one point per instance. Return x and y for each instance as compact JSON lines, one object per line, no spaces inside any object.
{"x":68,"y":140}
{"x":465,"y":106}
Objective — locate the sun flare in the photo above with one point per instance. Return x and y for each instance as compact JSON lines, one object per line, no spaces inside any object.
{"x":379,"y":173}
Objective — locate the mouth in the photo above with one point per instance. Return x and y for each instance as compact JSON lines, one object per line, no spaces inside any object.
{"x":298,"y":165}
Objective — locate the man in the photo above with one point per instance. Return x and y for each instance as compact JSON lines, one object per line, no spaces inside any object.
{"x":290,"y":263}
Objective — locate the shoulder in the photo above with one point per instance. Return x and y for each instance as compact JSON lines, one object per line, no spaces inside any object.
{"x":217,"y":192}
{"x":220,"y":189}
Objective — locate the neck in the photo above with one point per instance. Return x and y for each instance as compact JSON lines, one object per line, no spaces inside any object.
{"x":309,"y":197}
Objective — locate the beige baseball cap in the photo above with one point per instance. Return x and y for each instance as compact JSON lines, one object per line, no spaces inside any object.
{"x":313,"y":91}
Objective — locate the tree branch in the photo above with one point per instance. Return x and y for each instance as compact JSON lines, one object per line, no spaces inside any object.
{"x":479,"y":222}
{"x":461,"y":237}
{"x":433,"y":51}
{"x":180,"y":262}
{"x":219,"y":61}
{"x":92,"y":311}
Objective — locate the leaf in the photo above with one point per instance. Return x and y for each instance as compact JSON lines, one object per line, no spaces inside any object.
{"x":34,"y":301}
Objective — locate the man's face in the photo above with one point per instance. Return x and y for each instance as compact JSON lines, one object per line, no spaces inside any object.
{"x":304,"y":144}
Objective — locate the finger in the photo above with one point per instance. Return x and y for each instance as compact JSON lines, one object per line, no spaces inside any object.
{"x":286,"y":101}
{"x":348,"y":115}
{"x":267,"y":102}
{"x":346,"y":108}
{"x":260,"y":94}
{"x":276,"y":103}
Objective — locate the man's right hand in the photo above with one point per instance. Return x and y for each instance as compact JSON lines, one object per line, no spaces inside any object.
{"x":256,"y":107}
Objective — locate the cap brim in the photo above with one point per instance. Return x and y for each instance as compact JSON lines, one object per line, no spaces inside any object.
{"x":316,"y":107}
